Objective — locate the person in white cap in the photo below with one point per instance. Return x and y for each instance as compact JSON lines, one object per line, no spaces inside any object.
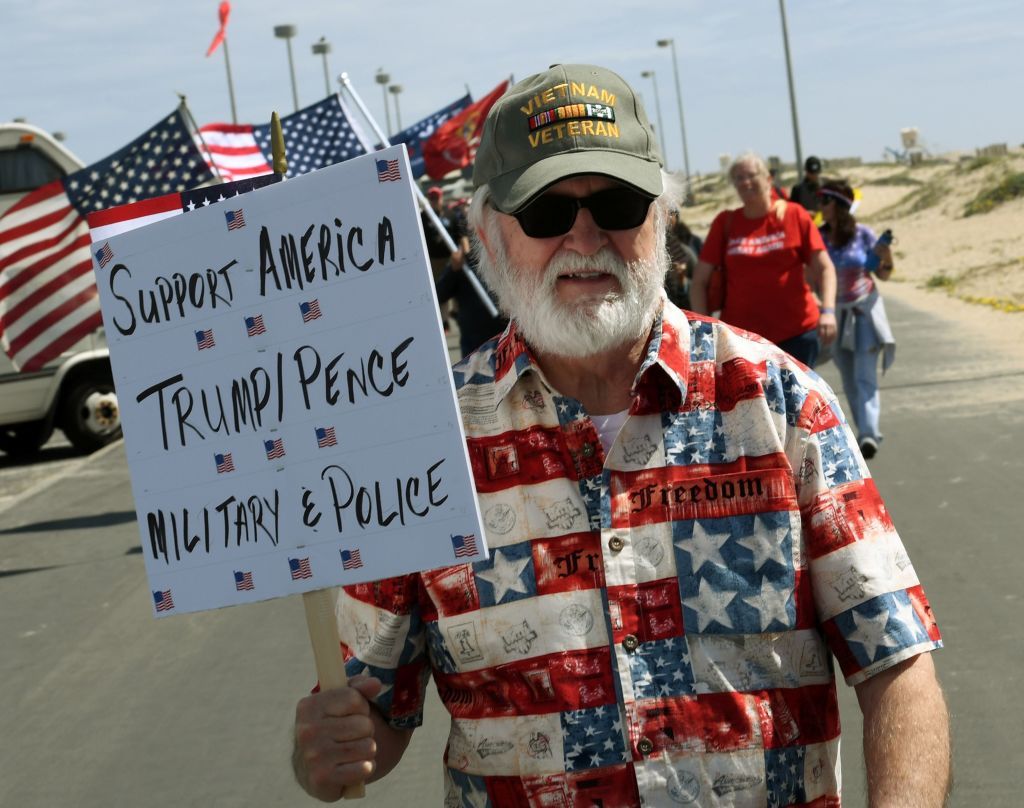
{"x":682,"y":530}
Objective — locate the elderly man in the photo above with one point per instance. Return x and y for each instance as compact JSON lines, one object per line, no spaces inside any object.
{"x":681,"y":529}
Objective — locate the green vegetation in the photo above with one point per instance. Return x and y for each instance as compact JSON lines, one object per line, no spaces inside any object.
{"x":940,"y":281}
{"x":1009,"y":187}
{"x":928,"y":196}
{"x":979,"y":162}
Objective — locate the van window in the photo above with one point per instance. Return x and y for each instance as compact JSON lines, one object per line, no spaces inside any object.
{"x":25,"y":169}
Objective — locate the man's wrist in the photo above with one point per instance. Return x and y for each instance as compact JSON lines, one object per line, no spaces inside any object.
{"x":826,"y":310}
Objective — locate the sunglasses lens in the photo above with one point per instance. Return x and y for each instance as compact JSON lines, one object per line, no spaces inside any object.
{"x":618,"y":208}
{"x":614,"y":209}
{"x":548,"y":216}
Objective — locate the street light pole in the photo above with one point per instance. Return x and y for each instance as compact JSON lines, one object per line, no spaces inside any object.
{"x":287,"y":33}
{"x":395,"y":89}
{"x":792,"y":94}
{"x":649,"y":74}
{"x":671,"y":43}
{"x":382,"y":79}
{"x":322,"y":48}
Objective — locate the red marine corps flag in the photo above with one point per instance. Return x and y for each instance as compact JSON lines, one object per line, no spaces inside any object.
{"x":454,"y":144}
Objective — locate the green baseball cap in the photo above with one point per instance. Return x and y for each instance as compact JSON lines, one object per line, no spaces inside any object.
{"x":568,"y":120}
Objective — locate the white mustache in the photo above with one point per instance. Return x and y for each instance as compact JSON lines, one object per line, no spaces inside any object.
{"x":602,"y":261}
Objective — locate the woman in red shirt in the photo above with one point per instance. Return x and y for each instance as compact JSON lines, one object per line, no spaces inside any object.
{"x":765,"y":249}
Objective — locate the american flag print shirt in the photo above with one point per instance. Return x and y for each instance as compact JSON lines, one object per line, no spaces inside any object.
{"x":655,"y":626}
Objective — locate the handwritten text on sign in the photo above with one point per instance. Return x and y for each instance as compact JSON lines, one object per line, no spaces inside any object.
{"x":288,"y":411}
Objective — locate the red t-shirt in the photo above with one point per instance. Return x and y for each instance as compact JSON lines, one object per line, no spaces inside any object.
{"x":765,"y":290}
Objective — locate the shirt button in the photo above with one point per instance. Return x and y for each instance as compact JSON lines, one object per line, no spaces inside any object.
{"x":630,"y":642}
{"x":615,"y":543}
{"x":645,"y":746}
{"x":588,"y":450}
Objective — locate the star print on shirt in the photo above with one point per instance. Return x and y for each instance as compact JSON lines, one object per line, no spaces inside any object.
{"x":870,"y":632}
{"x":592,"y":738}
{"x":710,"y":606}
{"x":505,"y":574}
{"x":766,"y":543}
{"x":703,"y":546}
{"x":770,"y":603}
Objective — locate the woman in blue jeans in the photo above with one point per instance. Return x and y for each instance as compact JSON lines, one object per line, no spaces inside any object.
{"x":864,"y":332}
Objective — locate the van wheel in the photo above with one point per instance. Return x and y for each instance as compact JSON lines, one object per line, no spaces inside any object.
{"x":19,"y":440}
{"x":90,"y":417}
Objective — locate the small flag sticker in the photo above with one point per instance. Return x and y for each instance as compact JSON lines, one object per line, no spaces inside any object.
{"x":310,"y":310}
{"x":464,"y":546}
{"x":243,"y":581}
{"x":104,"y":255}
{"x":299,"y":568}
{"x":235,"y":219}
{"x":254,"y":325}
{"x":325,"y":437}
{"x":204,"y":339}
{"x":224,"y":463}
{"x":163,"y":600}
{"x":274,"y":448}
{"x":351,"y":560}
{"x":387,"y":171}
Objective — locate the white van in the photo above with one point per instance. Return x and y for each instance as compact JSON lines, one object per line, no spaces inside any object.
{"x":75,"y":392}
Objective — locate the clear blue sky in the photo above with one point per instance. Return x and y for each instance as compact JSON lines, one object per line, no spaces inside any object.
{"x":104,"y":71}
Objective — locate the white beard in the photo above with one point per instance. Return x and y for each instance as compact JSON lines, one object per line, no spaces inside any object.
{"x":585,"y":327}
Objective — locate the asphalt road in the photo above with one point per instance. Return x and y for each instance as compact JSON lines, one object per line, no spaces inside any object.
{"x":102,"y":706}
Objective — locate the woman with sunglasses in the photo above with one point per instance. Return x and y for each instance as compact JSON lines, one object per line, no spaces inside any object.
{"x":864,"y":331}
{"x":764,"y":248}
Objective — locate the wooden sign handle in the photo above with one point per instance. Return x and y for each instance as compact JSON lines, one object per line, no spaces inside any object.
{"x":330,"y":667}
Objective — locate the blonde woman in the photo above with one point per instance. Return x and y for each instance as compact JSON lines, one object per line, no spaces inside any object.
{"x":764,"y":248}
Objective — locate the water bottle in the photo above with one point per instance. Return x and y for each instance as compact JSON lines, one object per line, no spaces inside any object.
{"x":874,"y":259}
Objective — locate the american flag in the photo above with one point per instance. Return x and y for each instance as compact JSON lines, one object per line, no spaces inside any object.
{"x":243,"y":581}
{"x":464,"y":545}
{"x":48,"y":296}
{"x":254,"y":325}
{"x":274,"y":448}
{"x":235,"y":219}
{"x":310,"y":310}
{"x":325,"y":437}
{"x":204,"y":339}
{"x":163,"y":600}
{"x":387,"y":171}
{"x":299,"y":568}
{"x":123,"y":218}
{"x":224,"y":463}
{"x":351,"y":560}
{"x":104,"y":255}
{"x":416,"y":135}
{"x":317,"y":136}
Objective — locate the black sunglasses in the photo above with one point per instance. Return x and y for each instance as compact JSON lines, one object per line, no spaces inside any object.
{"x":613,"y":209}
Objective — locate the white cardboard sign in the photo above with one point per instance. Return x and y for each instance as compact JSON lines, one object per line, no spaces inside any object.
{"x":289,"y":414}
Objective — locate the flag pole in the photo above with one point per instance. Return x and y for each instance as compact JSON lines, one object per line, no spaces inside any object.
{"x":195,"y":128}
{"x":319,"y":604}
{"x":231,"y":84}
{"x":424,"y":205}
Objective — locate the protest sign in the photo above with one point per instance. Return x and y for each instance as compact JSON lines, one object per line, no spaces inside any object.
{"x":289,"y":415}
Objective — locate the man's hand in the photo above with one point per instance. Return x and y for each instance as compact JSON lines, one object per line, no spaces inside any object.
{"x":334,"y":739}
{"x":906,"y":736}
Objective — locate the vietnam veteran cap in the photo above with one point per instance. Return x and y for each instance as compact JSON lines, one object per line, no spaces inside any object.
{"x":566,"y":121}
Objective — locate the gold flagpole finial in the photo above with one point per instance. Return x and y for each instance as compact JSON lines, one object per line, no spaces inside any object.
{"x":277,"y":145}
